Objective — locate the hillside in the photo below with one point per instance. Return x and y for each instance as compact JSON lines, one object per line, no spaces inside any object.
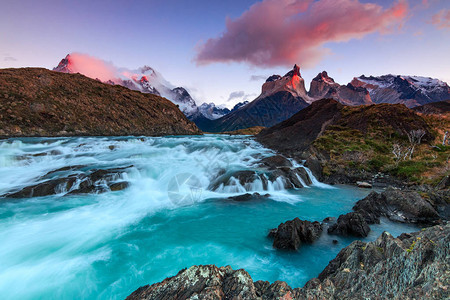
{"x":39,"y":102}
{"x":357,"y":142}
{"x":440,"y":108}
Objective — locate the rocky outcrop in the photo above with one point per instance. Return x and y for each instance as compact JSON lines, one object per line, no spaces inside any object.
{"x":211,"y":282}
{"x":352,"y":224}
{"x":403,"y":206}
{"x":323,"y":86}
{"x":275,"y":170}
{"x":412,"y":266}
{"x":291,"y":234}
{"x":91,"y":181}
{"x":248,"y":197}
{"x":39,"y":102}
{"x":280,"y":98}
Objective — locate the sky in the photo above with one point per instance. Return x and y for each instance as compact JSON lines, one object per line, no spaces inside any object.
{"x":222,"y":51}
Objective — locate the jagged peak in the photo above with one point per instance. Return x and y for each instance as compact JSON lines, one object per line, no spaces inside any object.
{"x":273,"y":78}
{"x":323,"y":76}
{"x":295,"y":71}
{"x":64,"y":65}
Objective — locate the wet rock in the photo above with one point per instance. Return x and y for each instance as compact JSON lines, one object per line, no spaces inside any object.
{"x":412,"y":266}
{"x":63,"y":169}
{"x":399,"y":206}
{"x":275,"y":162}
{"x":244,"y":178}
{"x":352,"y":224}
{"x":291,"y":234}
{"x":118,"y":186}
{"x":248,"y":197}
{"x":94,"y":181}
{"x":46,"y":188}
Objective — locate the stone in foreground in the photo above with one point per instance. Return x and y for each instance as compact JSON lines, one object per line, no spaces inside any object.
{"x":412,"y":266}
{"x":291,"y":234}
{"x":350,"y":224}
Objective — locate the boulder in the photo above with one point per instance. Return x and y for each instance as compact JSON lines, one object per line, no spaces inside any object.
{"x":399,"y":206}
{"x":93,"y":181}
{"x":412,"y":266}
{"x":291,"y":234}
{"x":352,"y":224}
{"x":363,"y":184}
{"x":248,"y":197}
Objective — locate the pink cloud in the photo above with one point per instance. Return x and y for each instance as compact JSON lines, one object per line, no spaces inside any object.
{"x":92,"y":67}
{"x":441,"y":19}
{"x":284,"y":32}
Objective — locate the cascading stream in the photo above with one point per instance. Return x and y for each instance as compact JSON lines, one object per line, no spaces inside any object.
{"x":107,"y":242}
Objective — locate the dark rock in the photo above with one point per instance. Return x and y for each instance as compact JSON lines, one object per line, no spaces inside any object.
{"x":94,"y":181}
{"x":412,"y":266}
{"x":399,"y":206}
{"x":118,"y":186}
{"x":329,"y":220}
{"x":350,"y":224}
{"x":335,"y":242}
{"x":291,"y":234}
{"x":248,"y":197}
{"x":46,"y":188}
{"x":315,"y":166}
{"x":244,"y":177}
{"x":274,"y":162}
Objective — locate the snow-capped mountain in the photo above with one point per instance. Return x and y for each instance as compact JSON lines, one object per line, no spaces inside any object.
{"x":323,"y":86}
{"x":144,"y":79}
{"x":212,"y":112}
{"x":409,"y":90}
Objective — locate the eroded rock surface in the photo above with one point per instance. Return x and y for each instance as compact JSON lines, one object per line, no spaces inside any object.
{"x":401,"y":206}
{"x":352,"y":224}
{"x":291,"y":234}
{"x":412,"y":266}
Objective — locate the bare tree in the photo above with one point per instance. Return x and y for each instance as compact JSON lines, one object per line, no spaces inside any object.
{"x":415,"y":138}
{"x":400,"y":153}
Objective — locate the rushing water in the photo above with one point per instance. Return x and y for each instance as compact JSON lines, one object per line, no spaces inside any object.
{"x":107,"y":245}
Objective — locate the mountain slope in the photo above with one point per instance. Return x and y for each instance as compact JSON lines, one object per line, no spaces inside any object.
{"x":409,"y":90}
{"x":39,"y":102}
{"x":354,"y":143}
{"x":323,"y":86}
{"x":144,"y":79}
{"x":281,"y":97}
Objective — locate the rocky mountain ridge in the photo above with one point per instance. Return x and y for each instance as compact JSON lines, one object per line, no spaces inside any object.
{"x":283,"y":96}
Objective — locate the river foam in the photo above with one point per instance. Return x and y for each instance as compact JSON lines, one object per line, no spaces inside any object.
{"x":106,"y":245}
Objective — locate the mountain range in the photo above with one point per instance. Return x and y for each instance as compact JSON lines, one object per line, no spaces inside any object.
{"x":148,"y":80}
{"x":282,"y":96}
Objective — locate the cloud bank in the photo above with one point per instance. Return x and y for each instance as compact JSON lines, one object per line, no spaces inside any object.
{"x":284,"y":32}
{"x":92,"y":67}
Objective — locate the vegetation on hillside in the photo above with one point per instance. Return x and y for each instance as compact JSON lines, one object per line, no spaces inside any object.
{"x":378,"y":145}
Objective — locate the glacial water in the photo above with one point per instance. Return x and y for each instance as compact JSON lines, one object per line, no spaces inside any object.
{"x":104,"y":246}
